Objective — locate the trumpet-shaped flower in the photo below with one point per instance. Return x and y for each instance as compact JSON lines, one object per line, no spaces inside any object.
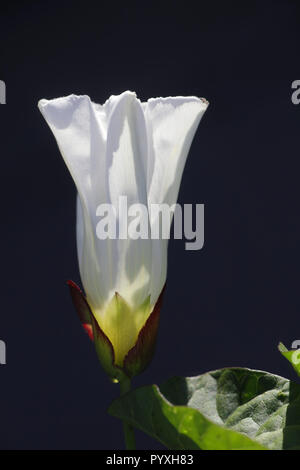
{"x":133,"y":149}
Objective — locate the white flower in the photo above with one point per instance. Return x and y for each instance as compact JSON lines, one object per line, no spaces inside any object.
{"x":122,"y":148}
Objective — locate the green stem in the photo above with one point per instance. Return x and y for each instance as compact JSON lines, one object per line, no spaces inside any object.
{"x":127,"y":428}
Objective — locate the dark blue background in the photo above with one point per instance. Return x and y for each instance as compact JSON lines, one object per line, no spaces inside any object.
{"x":226,"y":305}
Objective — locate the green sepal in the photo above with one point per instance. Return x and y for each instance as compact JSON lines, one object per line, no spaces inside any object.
{"x":105,"y":352}
{"x":139,"y":357}
{"x":102,"y":343}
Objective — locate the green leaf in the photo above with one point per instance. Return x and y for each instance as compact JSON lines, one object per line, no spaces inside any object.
{"x":221,"y":410}
{"x":293,"y":356}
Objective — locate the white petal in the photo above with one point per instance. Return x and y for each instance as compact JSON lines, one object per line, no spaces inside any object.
{"x":93,"y":276}
{"x":172,"y":123}
{"x":79,"y":230}
{"x":79,"y":128}
{"x":126,"y":153}
{"x":126,"y":160}
{"x":123,"y":148}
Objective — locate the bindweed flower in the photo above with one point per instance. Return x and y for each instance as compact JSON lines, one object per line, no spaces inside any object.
{"x":133,"y":149}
